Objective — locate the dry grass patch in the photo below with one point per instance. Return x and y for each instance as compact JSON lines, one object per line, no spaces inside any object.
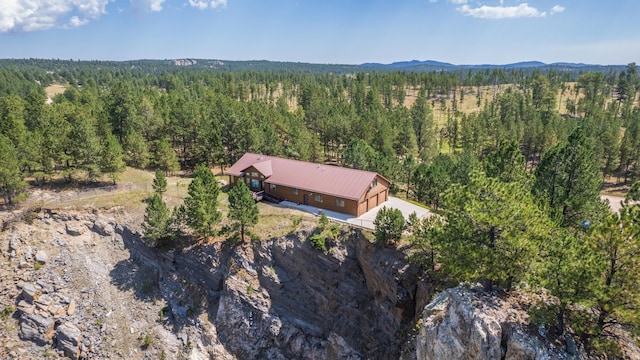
{"x":54,"y":89}
{"x":276,"y":221}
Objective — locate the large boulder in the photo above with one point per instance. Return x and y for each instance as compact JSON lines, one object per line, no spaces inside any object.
{"x":36,"y":328}
{"x":76,"y":229}
{"x":41,"y":256}
{"x":465,"y":323}
{"x":30,"y":292}
{"x":103,"y":227}
{"x":69,"y":339}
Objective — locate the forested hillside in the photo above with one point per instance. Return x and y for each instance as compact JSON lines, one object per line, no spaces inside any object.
{"x":113,"y":112}
{"x":515,"y":171}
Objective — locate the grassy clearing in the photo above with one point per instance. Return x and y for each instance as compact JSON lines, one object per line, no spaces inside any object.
{"x":276,"y":221}
{"x":54,"y":89}
{"x":135,"y":185}
{"x":611,"y":187}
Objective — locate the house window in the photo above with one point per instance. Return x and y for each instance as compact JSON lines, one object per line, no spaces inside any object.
{"x":233,"y":179}
{"x":294,"y":191}
{"x":340,"y":202}
{"x":272,"y":187}
{"x":254,"y":174}
{"x":318,"y":198}
{"x":248,"y":181}
{"x":374,"y":183}
{"x":255,"y":184}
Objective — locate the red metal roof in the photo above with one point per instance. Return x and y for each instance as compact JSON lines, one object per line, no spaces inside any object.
{"x":316,"y":178}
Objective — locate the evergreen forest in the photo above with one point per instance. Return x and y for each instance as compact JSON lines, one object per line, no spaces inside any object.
{"x":512,"y":160}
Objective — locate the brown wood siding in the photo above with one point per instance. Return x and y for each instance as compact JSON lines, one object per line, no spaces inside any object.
{"x":328,"y":201}
{"x":372,"y":202}
{"x":374,"y":197}
{"x":370,"y":199}
{"x":362,"y":208}
{"x":249,"y":173}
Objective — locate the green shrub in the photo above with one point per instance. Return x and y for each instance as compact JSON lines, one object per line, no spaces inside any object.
{"x":318,"y":241}
{"x":296,"y":222}
{"x":162,"y":314}
{"x":8,"y":310}
{"x":324,"y":221}
{"x":333,"y":231}
{"x":542,"y":314}
{"x":147,"y":341}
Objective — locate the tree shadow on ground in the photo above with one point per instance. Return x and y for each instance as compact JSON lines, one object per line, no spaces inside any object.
{"x":132,"y":275}
{"x":179,"y":278}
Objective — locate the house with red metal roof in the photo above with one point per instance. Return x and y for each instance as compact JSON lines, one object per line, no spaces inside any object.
{"x":329,"y":187}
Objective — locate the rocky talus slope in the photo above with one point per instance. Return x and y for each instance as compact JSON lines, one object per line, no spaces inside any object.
{"x":84,"y":285}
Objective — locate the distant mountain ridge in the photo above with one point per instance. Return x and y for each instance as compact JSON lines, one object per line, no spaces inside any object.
{"x":219,"y":65}
{"x":518,"y":65}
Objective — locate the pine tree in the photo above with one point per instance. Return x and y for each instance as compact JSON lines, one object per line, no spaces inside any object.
{"x":111,"y":161}
{"x":242,"y":207}
{"x":422,"y":118}
{"x":165,"y":158}
{"x":566,"y":270}
{"x":156,"y":221}
{"x":202,"y":201}
{"x":506,"y":162}
{"x":159,"y":182}
{"x":491,"y":232}
{"x":11,"y":182}
{"x":616,"y":245}
{"x":431,"y":181}
{"x":568,"y":182}
{"x":423,"y":240}
{"x":136,"y":151}
{"x":389,"y":225}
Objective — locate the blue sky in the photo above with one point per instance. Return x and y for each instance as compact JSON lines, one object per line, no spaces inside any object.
{"x":324,"y":31}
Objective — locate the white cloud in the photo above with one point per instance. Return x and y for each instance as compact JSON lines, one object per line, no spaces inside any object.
{"x":76,"y":21}
{"x":32,"y":15}
{"x":557,"y":9}
{"x":204,"y":4}
{"x":147,"y":5}
{"x":501,"y":12}
{"x":459,"y":2}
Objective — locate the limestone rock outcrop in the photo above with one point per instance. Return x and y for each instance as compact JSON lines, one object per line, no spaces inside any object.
{"x":464,"y":323}
{"x":69,"y":336}
{"x":36,"y":328}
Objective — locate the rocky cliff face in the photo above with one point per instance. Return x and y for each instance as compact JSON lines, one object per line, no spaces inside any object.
{"x":85,"y":286}
{"x":464,"y":323}
{"x":299,"y":303}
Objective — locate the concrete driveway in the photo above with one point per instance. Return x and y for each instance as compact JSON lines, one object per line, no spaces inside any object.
{"x":615,"y":202}
{"x":366,"y":219}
